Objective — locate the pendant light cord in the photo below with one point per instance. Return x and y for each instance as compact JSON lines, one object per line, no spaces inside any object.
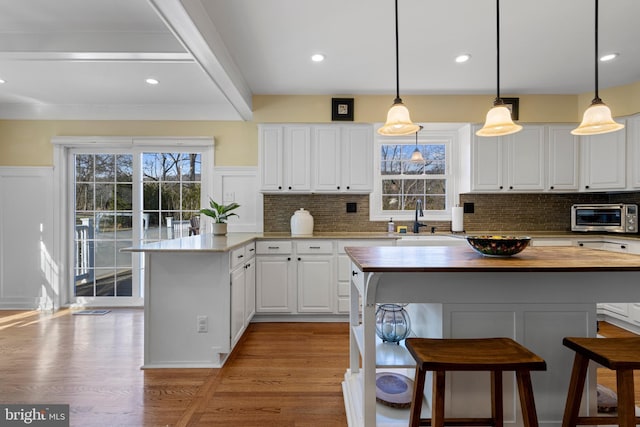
{"x":498,"y":48}
{"x":397,"y":100}
{"x":597,"y":97}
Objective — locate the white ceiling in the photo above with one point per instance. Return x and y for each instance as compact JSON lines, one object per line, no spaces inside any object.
{"x":87,"y":59}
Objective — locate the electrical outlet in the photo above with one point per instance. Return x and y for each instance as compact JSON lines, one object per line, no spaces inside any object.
{"x":229,"y":196}
{"x":203,"y":324}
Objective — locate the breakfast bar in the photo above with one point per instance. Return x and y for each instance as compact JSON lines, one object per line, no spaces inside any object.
{"x":536,"y":297}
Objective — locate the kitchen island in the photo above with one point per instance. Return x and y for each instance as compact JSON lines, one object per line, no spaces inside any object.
{"x":536,"y":297}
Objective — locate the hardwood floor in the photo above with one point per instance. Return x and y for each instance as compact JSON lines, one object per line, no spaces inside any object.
{"x":282,"y":374}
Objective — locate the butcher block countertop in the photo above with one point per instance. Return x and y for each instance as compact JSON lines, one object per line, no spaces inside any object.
{"x":464,"y":259}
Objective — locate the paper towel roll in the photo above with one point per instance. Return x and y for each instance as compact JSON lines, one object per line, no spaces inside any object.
{"x":457,"y":223}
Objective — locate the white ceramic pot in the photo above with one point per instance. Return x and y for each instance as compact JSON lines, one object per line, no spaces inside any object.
{"x":301,"y":223}
{"x":219,"y":228}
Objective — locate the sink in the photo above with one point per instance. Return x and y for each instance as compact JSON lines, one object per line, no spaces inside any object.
{"x":431,"y":240}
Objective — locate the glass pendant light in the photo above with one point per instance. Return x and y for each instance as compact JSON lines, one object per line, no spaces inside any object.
{"x":597,"y":118}
{"x":499,"y":121}
{"x":398,"y":119}
{"x":416,"y":156}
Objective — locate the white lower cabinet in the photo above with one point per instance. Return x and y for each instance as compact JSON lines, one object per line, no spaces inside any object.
{"x":275,"y":278}
{"x":242,"y":290}
{"x":305,"y":276}
{"x":315,"y":264}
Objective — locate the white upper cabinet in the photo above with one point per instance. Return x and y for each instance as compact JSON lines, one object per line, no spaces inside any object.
{"x":327,"y":155}
{"x":526,"y":159}
{"x":563,"y":151}
{"x":357,"y":158}
{"x":316,"y":158}
{"x":633,"y":149}
{"x":603,"y":161}
{"x":285,"y":158}
{"x":509,"y":163}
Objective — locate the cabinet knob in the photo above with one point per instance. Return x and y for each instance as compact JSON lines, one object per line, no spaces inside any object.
{"x":354,"y":273}
{"x":288,"y":258}
{"x":623,"y":247}
{"x":299,"y":259}
{"x":511,"y":187}
{"x":551,"y":187}
{"x":279,"y":187}
{"x":586,"y":186}
{"x":348,"y":187}
{"x":289,"y":187}
{"x":338,"y":187}
{"x":501,"y":187}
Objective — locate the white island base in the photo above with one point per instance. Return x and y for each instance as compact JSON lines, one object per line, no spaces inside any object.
{"x":468,"y":393}
{"x":537,"y":299}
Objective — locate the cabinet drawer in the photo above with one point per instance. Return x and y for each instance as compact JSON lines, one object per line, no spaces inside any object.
{"x":314,"y":247}
{"x":273,"y":247}
{"x":237,"y":257}
{"x":250,"y":250}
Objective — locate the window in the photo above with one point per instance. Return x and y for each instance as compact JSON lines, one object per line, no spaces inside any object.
{"x":400,"y":182}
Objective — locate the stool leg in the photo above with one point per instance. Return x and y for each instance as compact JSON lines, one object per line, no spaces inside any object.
{"x":576,"y":388}
{"x":416,"y":402}
{"x":496,"y":398}
{"x":626,"y":404}
{"x":437,"y":402}
{"x":527,"y":402}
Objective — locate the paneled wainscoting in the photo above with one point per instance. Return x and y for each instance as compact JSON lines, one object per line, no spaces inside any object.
{"x":281,"y":374}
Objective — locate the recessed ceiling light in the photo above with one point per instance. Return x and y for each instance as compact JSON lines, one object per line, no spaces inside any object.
{"x":2,"y":81}
{"x":608,"y":57}
{"x":152,"y":81}
{"x":318,"y":57}
{"x":463,"y":58}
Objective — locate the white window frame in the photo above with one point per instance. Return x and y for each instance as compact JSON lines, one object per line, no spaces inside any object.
{"x":64,"y":205}
{"x":448,"y":134}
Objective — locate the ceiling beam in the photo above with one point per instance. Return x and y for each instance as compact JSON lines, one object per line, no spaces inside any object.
{"x":189,"y":22}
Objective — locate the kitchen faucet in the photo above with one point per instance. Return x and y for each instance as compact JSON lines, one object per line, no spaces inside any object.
{"x":416,"y":224}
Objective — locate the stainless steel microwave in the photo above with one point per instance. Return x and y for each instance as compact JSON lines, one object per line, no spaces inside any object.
{"x":612,"y":218}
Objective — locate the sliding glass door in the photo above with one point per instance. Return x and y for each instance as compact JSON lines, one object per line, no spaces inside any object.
{"x":123,"y":198}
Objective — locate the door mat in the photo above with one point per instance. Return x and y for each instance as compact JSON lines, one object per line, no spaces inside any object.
{"x":92,"y":312}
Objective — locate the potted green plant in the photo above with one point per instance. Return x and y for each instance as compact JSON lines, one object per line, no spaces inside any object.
{"x":220,"y":213}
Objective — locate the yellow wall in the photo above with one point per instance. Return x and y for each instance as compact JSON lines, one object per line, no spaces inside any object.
{"x":27,"y":142}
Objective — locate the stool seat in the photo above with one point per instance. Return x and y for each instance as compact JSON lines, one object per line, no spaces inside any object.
{"x":494,"y":355}
{"x":619,"y":354}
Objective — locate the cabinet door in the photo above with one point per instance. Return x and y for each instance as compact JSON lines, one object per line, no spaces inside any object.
{"x":633,"y":143}
{"x":297,"y":158}
{"x":604,"y":161}
{"x":327,"y":158}
{"x":271,"y":158}
{"x":487,"y":163}
{"x":237,"y":304}
{"x":563,"y":154}
{"x":274,"y":284}
{"x":316,"y":284}
{"x":525,"y":163}
{"x":357,"y":158}
{"x":249,"y":291}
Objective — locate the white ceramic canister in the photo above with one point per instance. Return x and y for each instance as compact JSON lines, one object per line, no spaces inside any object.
{"x":301,"y":223}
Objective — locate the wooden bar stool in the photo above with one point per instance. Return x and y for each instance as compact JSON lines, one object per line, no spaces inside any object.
{"x":484,"y":354}
{"x":619,"y":354}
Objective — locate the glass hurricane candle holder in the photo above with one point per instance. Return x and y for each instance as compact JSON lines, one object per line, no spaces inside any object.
{"x":392,"y":322}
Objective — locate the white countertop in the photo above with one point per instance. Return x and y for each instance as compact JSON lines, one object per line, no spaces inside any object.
{"x":211,"y":243}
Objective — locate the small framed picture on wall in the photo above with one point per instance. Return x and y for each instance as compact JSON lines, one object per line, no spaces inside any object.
{"x":342,"y":109}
